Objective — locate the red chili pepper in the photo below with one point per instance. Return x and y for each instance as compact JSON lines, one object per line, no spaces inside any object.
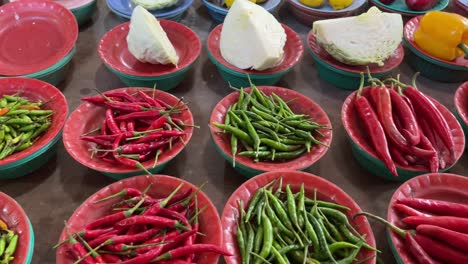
{"x":374,"y":130}
{"x":131,"y":126}
{"x":177,"y":241}
{"x":92,"y":234}
{"x":108,"y":258}
{"x":109,"y":220}
{"x":111,"y":124}
{"x":177,"y":207}
{"x":193,"y":249}
{"x":441,"y":251}
{"x":144,"y":236}
{"x":126,"y":107}
{"x":384,"y":112}
{"x":434,"y":160}
{"x":180,"y":196}
{"x":174,"y":261}
{"x":397,"y":156}
{"x":139,"y":114}
{"x":453,"y":238}
{"x":404,"y":209}
{"x":149,"y":99}
{"x":129,"y":192}
{"x":417,"y":251}
{"x":77,"y":249}
{"x":166,"y":237}
{"x":436,"y":206}
{"x":454,"y":223}
{"x":94,"y":139}
{"x":98,"y":100}
{"x":136,"y":148}
{"x":144,"y":258}
{"x":173,"y":215}
{"x":410,"y":126}
{"x":123,"y":126}
{"x":121,"y":95}
{"x":156,"y":221}
{"x":103,"y":129}
{"x":158,"y":123}
{"x":159,"y":134}
{"x":424,"y":106}
{"x":164,"y":104}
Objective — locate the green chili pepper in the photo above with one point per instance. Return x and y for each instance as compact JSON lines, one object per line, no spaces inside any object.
{"x":252,"y":132}
{"x":267,"y":130}
{"x":3,"y":102}
{"x":227,"y":119}
{"x":27,"y":128}
{"x":233,"y":149}
{"x":309,"y":201}
{"x":278,"y":208}
{"x":347,"y":260}
{"x":18,"y":121}
{"x":41,"y":129}
{"x":241,"y":243}
{"x":279,"y":258}
{"x":236,"y":131}
{"x":341,"y":245}
{"x":240,"y":100}
{"x":253,"y":203}
{"x":235,"y":119}
{"x":258,"y":239}
{"x":283,"y":103}
{"x":279,"y":146}
{"x":10,"y":250}
{"x":277,"y":222}
{"x":264,"y":115}
{"x":291,"y":205}
{"x":40,"y":112}
{"x":323,"y":245}
{"x":250,"y":242}
{"x":267,"y":238}
{"x":276,"y":126}
{"x":336,"y":215}
{"x":2,"y":244}
{"x":260,"y":106}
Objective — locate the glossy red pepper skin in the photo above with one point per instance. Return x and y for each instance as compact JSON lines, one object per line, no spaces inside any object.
{"x":417,"y":251}
{"x":158,"y":123}
{"x":150,"y":100}
{"x":110,"y":121}
{"x":156,"y":221}
{"x":125,"y":107}
{"x":436,"y":206}
{"x":434,"y":160}
{"x":410,"y":129}
{"x":79,"y":251}
{"x":454,"y":223}
{"x":160,"y":134}
{"x":397,"y":156}
{"x":420,"y":5}
{"x":425,"y":107}
{"x":126,"y":239}
{"x":110,"y":258}
{"x":455,"y":239}
{"x":404,"y":209}
{"x":121,"y":95}
{"x":384,"y":112}
{"x":174,"y":215}
{"x":193,"y":249}
{"x":441,"y":251}
{"x":375,"y":131}
{"x":442,"y":154}
{"x":139,"y":114}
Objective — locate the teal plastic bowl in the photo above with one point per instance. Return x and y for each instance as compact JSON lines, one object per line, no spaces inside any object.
{"x":431,"y":67}
{"x":293,"y":51}
{"x":344,"y":76}
{"x":114,"y":52}
{"x":366,"y":156}
{"x":84,"y":13}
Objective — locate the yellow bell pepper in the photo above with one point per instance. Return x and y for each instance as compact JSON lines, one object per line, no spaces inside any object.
{"x":443,"y":35}
{"x":340,"y":4}
{"x":312,"y":3}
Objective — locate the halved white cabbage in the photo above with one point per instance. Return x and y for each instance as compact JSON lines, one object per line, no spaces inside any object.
{"x":148,"y":41}
{"x":251,"y":37}
{"x":371,"y":37}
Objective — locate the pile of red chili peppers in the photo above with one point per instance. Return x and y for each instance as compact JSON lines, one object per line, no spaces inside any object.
{"x":143,"y":229}
{"x":437,"y":230}
{"x":404,"y":125}
{"x":136,"y":128}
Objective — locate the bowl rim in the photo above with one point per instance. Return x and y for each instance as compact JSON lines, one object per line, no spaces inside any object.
{"x":224,"y":11}
{"x":426,"y":181}
{"x":287,"y":63}
{"x":399,"y":54}
{"x":320,"y":12}
{"x":351,"y":135}
{"x":69,"y":42}
{"x":24,"y":224}
{"x":179,"y":28}
{"x":306,"y":159}
{"x":50,"y":134}
{"x":54,"y":67}
{"x":287,"y":176}
{"x":76,"y":114}
{"x":132,"y":181}
{"x":408,"y":35}
{"x":462,"y":90}
{"x":126,"y":10}
{"x":441,"y":5}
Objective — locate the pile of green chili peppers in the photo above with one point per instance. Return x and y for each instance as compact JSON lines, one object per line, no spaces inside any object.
{"x":280,"y":226}
{"x":8,"y":243}
{"x":267,"y":129}
{"x":21,"y":122}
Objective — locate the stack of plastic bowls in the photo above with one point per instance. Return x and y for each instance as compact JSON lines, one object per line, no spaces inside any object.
{"x":124,"y":8}
{"x":218,"y":10}
{"x":42,"y":43}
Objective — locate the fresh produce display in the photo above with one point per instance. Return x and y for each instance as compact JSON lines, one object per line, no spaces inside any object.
{"x":443,"y":35}
{"x":335,"y":4}
{"x":264,"y":128}
{"x":369,"y":38}
{"x":282,"y":226}
{"x":8,"y":243}
{"x":148,"y":41}
{"x":404,"y":126}
{"x":437,"y":230}
{"x":421,"y":5}
{"x":251,"y":37}
{"x":22,"y":122}
{"x":142,"y":229}
{"x":154,"y":4}
{"x":136,"y":128}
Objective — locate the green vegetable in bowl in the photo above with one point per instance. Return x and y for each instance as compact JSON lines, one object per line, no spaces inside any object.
{"x":8,"y":243}
{"x":154,"y":4}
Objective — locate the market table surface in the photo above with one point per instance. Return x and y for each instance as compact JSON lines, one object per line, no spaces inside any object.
{"x":50,"y":195}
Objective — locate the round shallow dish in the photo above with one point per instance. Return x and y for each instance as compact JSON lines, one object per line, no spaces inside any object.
{"x":25,"y":161}
{"x":113,"y":50}
{"x":163,"y":185}
{"x":218,"y":10}
{"x":429,"y":66}
{"x":34,"y":35}
{"x":365,"y":154}
{"x":307,"y":15}
{"x":87,"y":117}
{"x":348,"y":76}
{"x":293,"y":51}
{"x":84,"y":12}
{"x":302,"y":105}
{"x":399,"y":6}
{"x":124,"y":8}
{"x":439,"y":186}
{"x":17,"y":220}
{"x":461,"y":107}
{"x":326,"y":191}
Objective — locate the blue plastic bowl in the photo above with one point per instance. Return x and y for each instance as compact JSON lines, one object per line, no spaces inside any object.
{"x":124,"y":8}
{"x":218,"y":13}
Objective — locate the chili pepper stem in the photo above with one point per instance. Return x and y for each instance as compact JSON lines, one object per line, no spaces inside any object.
{"x":156,"y":157}
{"x":413,"y":80}
{"x":361,"y":85}
{"x":464,"y":48}
{"x":396,"y":229}
{"x":90,"y":132}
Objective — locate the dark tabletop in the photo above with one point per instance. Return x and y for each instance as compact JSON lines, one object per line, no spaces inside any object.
{"x":51,"y":194}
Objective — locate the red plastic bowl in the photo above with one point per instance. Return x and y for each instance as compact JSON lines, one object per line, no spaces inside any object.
{"x":87,"y":117}
{"x":302,"y":105}
{"x":36,"y":90}
{"x":34,"y":35}
{"x":461,"y":102}
{"x":326,"y":191}
{"x":439,"y":186}
{"x":163,"y":185}
{"x":353,"y":127}
{"x":392,"y":62}
{"x":410,"y":27}
{"x":113,"y":50}
{"x":17,"y":220}
{"x":293,"y":51}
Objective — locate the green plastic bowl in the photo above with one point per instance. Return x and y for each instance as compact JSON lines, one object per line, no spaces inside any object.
{"x":293,"y":51}
{"x":366,"y":156}
{"x":431,"y":67}
{"x":344,"y":76}
{"x":84,"y":13}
